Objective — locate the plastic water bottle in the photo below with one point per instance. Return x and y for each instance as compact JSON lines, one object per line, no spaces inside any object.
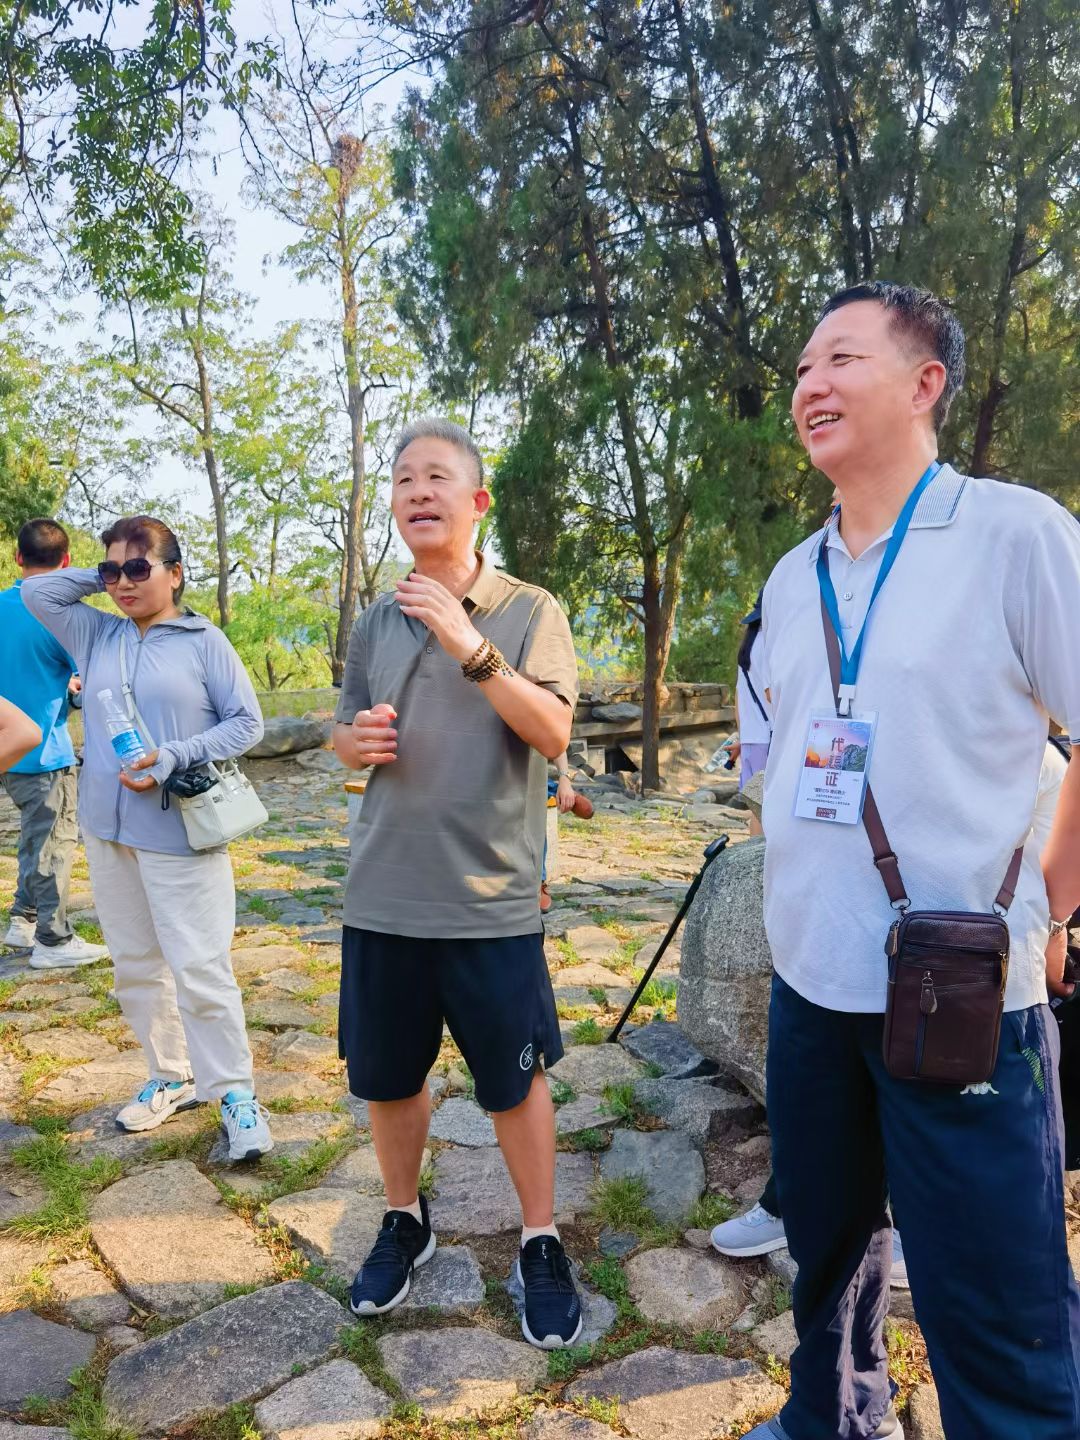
{"x":125,"y":738}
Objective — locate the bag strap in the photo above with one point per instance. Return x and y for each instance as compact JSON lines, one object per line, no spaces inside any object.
{"x":130,"y":706}
{"x":888,"y":866}
{"x":754,"y":697}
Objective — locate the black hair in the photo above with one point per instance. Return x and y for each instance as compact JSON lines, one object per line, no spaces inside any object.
{"x":148,"y":535}
{"x":43,"y":544}
{"x":924,"y":321}
{"x":753,"y":630}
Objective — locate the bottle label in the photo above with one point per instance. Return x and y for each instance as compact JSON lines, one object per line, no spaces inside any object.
{"x":128,"y":745}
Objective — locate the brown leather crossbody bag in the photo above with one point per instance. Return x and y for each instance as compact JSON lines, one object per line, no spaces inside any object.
{"x":947,"y":968}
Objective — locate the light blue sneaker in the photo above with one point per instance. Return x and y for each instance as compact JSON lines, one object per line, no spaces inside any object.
{"x":247,"y":1126}
{"x":889,"y":1429}
{"x":156,"y":1102}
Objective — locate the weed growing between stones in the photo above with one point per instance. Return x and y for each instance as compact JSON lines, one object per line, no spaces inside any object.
{"x":587,"y":1032}
{"x":409,"y":1423}
{"x":621,"y":1204}
{"x":589,"y":1142}
{"x":195,"y":1147}
{"x":236,"y":1423}
{"x":64,"y":1214}
{"x":287,"y":1175}
{"x":620,"y":1101}
{"x":89,"y":931}
{"x":83,"y":1411}
{"x":360,"y":1342}
{"x":710,"y":1210}
{"x":561,"y":1092}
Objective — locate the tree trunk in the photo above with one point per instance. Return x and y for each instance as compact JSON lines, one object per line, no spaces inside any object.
{"x":655,"y":664}
{"x":749,"y":399}
{"x":206,"y":444}
{"x":996,"y":386}
{"x":356,"y":566}
{"x":857,"y":245}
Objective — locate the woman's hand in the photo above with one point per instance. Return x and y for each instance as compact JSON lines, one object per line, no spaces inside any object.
{"x":147,"y":782}
{"x":565,"y":795}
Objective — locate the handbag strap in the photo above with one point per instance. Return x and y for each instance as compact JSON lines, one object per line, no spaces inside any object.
{"x":130,"y":707}
{"x":888,"y":866}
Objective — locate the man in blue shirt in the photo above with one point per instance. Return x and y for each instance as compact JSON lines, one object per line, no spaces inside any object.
{"x":36,"y":673}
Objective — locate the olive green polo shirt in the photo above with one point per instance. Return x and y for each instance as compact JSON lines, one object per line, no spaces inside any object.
{"x":450,"y":837}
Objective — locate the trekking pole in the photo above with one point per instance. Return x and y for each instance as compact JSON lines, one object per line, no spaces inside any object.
{"x":712,"y":850}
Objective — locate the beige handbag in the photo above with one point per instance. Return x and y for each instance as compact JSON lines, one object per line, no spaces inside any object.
{"x":228,"y":808}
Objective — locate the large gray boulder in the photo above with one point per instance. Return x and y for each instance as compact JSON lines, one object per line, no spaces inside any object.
{"x":726,"y":967}
{"x":288,"y":735}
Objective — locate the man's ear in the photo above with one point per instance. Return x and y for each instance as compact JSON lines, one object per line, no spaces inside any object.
{"x":929,"y":387}
{"x":481,"y":502}
{"x":65,"y":562}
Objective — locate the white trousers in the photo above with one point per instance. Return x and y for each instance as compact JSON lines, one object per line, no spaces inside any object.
{"x":168,"y":921}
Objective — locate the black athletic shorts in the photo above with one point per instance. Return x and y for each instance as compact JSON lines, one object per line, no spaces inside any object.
{"x":494,"y":995}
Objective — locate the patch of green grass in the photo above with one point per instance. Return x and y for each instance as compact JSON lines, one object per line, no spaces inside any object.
{"x":621,"y":1203}
{"x":83,"y":1411}
{"x":587,"y":1032}
{"x":287,"y":1174}
{"x":40,"y":1069}
{"x":258,"y":905}
{"x":7,"y":989}
{"x":653,"y":1071}
{"x":89,"y":931}
{"x":620,"y":1101}
{"x":604,"y":1412}
{"x":598,"y":995}
{"x":708,"y":1211}
{"x":68,"y":1187}
{"x":709,"y":1342}
{"x":610,"y":1279}
{"x":360,"y":1344}
{"x":196,"y":1146}
{"x":588,"y":1141}
{"x":564,"y":1364}
{"x":335,"y":870}
{"x":235,"y":1423}
{"x":561,"y":1092}
{"x":231,"y":1290}
{"x":658,"y":993}
{"x":426,"y":1184}
{"x":775,"y":1300}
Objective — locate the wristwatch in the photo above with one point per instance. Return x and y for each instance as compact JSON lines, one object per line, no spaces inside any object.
{"x":1057,"y":926}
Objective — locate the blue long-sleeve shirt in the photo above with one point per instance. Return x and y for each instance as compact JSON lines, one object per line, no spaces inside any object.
{"x":35,"y":671}
{"x":191,"y":689}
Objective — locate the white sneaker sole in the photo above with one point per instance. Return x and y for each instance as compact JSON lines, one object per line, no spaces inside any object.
{"x":747,"y":1252}
{"x":549,"y":1342}
{"x":368,"y":1307}
{"x":155,"y":1120}
{"x":255,"y":1152}
{"x":16,"y":945}
{"x":39,"y":961}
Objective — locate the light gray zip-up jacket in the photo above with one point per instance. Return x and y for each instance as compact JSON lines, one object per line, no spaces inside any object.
{"x":191,"y":690}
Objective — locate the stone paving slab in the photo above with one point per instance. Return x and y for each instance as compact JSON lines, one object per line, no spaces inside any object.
{"x":116,"y":1078}
{"x":457,"y":1373}
{"x":474,"y":1194}
{"x":585,"y":1113}
{"x":672,"y":1169}
{"x":588,"y":1068}
{"x":663,"y":1043}
{"x":251,"y":960}
{"x":10,"y":1431}
{"x":686,"y":1288}
{"x":334,"y":1402}
{"x":273,"y":1085}
{"x":23,"y":1022}
{"x":450,"y":1284}
{"x":776,"y":1337}
{"x":88,"y":1295}
{"x":172,"y":1241}
{"x":18,"y":1259}
{"x":20,"y":1193}
{"x":924,"y":1416}
{"x":691,"y":1104}
{"x":39,"y":1356}
{"x":12,"y":1135}
{"x":277,"y":1011}
{"x":593,"y":942}
{"x":462,"y":1122}
{"x":333,"y":1227}
{"x":294,"y":1137}
{"x":563,"y":1425}
{"x":46,"y":992}
{"x":233,"y":1354}
{"x":673,"y":1395}
{"x":359,"y":1171}
{"x":94,"y":1134}
{"x":301,"y":1050}
{"x":69,"y":1045}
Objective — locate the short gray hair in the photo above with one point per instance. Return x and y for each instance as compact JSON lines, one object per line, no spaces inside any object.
{"x":434,"y":427}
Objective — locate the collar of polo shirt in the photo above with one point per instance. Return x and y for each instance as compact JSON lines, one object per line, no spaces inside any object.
{"x":484,"y":589}
{"x":937,"y":506}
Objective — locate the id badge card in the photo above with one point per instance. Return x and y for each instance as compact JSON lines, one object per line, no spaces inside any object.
{"x":836,"y":767}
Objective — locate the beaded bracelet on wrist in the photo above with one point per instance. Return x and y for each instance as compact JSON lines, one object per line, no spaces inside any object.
{"x":485,"y":664}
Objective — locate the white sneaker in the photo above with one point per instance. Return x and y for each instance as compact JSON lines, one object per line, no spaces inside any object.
{"x":755,"y":1233}
{"x":20,"y":933}
{"x":247,"y":1126}
{"x":898,"y":1275}
{"x":75,"y":951}
{"x":155,"y":1103}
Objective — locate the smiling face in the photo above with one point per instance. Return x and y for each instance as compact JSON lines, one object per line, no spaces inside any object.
{"x":143,"y":599}
{"x":862,"y":392}
{"x":435,"y":499}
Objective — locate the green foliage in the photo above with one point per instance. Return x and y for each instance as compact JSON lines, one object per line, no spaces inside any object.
{"x":587,"y":1032}
{"x":68,"y":1186}
{"x":622,"y":1204}
{"x":620,"y":1100}
{"x":708,"y":1211}
{"x":561,"y":1092}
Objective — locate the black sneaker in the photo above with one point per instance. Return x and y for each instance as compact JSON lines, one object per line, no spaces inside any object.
{"x":551,"y":1319}
{"x":384,"y":1280}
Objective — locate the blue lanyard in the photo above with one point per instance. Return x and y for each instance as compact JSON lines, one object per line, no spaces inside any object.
{"x":849,"y":664}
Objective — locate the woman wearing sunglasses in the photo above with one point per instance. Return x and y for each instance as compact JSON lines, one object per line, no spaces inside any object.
{"x":168,"y":912}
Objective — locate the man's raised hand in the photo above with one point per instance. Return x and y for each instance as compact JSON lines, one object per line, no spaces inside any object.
{"x":374,"y":738}
{"x":426,"y":600}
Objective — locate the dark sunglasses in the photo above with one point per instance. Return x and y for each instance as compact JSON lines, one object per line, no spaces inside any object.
{"x":137,"y":569}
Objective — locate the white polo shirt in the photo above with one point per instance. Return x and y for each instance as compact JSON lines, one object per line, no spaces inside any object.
{"x":971,"y":644}
{"x":754,"y":727}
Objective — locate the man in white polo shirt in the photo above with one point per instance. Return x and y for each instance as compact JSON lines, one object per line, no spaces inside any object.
{"x":952,"y":603}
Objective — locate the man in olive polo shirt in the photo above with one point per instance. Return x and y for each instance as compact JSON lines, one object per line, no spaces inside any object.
{"x":458,"y":688}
